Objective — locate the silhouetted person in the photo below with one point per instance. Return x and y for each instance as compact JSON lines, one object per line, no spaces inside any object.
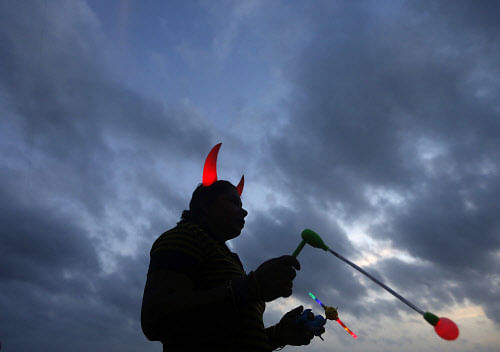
{"x":198,"y":296}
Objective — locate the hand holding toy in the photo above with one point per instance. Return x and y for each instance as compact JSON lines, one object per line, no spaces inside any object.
{"x":275,"y":277}
{"x":315,"y":326}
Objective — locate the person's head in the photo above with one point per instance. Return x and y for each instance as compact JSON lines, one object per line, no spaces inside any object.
{"x":217,"y":207}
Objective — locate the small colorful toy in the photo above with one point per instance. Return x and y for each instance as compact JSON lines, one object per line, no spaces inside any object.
{"x":313,"y":325}
{"x":332,"y":314}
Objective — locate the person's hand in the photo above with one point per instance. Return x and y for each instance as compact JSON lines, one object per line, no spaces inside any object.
{"x":289,"y":332}
{"x":275,"y":277}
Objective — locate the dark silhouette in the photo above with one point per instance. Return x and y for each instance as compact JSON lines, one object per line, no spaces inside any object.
{"x":198,"y":296}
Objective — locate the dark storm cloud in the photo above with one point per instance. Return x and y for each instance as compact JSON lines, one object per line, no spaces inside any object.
{"x":90,"y":316}
{"x":463,"y":242}
{"x":52,"y":287}
{"x":403,"y":100}
{"x":374,"y":90}
{"x":72,"y":122}
{"x":75,"y":144}
{"x":38,"y":244}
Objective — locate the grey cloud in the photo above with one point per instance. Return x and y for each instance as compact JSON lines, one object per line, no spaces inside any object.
{"x":75,"y":144}
{"x":39,"y":245}
{"x":77,"y":122}
{"x":369,"y":90}
{"x":373,"y":90}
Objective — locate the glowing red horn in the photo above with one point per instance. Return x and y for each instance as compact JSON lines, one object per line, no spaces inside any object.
{"x":239,"y":188}
{"x":210,"y":168}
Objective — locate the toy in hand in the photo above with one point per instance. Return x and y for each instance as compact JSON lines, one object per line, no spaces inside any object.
{"x":332,"y":314}
{"x":313,"y":325}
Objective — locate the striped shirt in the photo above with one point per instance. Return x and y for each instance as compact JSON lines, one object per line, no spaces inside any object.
{"x":188,"y":249}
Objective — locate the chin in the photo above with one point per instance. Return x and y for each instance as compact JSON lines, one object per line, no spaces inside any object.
{"x":233,"y":234}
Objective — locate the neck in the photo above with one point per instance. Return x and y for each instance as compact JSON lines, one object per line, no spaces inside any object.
{"x":210,"y":230}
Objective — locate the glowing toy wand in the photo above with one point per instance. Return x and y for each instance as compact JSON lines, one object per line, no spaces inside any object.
{"x":444,"y":327}
{"x":332,"y":314}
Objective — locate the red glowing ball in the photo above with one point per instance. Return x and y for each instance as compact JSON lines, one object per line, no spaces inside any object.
{"x":446,"y":329}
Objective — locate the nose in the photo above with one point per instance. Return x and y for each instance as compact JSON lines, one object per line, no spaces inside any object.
{"x":245,"y":213}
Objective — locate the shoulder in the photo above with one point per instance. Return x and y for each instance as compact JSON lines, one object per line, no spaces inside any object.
{"x":182,"y":237}
{"x":181,"y":248}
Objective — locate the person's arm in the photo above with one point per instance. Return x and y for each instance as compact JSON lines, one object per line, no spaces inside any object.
{"x":273,"y":335}
{"x":168,"y":294}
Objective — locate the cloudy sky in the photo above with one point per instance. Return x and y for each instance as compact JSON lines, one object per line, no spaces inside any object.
{"x":374,"y":123}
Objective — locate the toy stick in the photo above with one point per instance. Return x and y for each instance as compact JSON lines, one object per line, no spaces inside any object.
{"x":444,"y":327}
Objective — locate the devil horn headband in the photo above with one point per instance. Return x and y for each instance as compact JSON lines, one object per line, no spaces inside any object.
{"x":210,"y":170}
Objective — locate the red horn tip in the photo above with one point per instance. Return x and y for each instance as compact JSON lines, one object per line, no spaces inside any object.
{"x":239,"y":188}
{"x":210,"y":168}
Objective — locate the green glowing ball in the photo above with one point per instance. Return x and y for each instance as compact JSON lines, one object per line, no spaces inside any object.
{"x":313,"y":239}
